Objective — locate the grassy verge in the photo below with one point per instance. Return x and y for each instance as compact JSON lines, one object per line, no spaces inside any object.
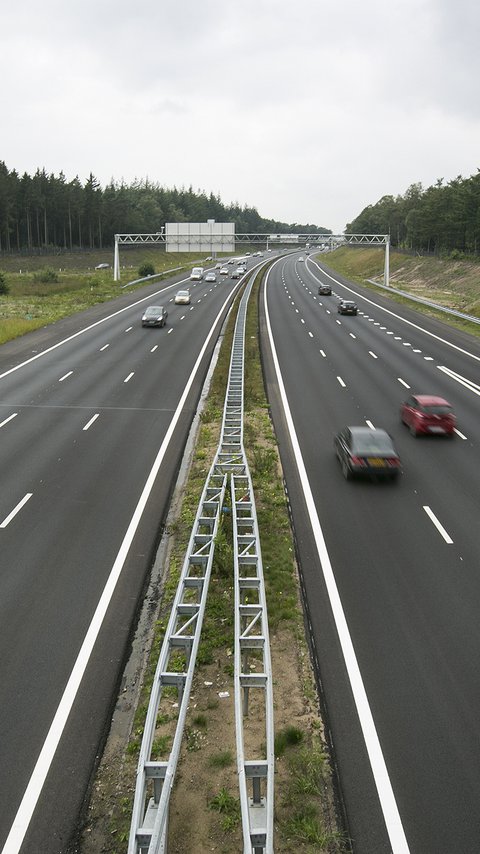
{"x":206,"y":789}
{"x":75,"y":285}
{"x":453,"y":284}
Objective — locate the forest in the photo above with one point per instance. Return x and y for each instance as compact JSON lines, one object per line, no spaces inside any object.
{"x":48,"y":212}
{"x":443,"y":219}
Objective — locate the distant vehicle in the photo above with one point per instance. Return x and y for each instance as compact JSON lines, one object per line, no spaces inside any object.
{"x":182,"y":298}
{"x":241,"y":269}
{"x":347,"y":306}
{"x":301,"y":258}
{"x":154,"y":315}
{"x":248,"y":253}
{"x":366,"y":451}
{"x":210,"y":277}
{"x":102,"y":266}
{"x":428,"y":414}
{"x":197,"y":274}
{"x":231,"y":261}
{"x":236,"y":274}
{"x":325,"y":290}
{"x":218,"y":266}
{"x":224,"y":271}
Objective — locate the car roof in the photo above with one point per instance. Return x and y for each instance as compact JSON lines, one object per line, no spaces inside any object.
{"x":360,"y":431}
{"x":154,"y":308}
{"x":431,"y":400}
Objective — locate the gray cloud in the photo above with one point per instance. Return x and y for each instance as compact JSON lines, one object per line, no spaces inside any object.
{"x":309,"y":111}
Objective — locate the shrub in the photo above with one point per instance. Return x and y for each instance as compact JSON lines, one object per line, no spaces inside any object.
{"x":46,"y":277}
{"x":146,"y":270}
{"x":4,"y":289}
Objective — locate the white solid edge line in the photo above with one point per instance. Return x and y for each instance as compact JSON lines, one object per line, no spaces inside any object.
{"x":459,"y":379}
{"x":42,"y":766}
{"x":85,"y":329}
{"x":438,"y":525}
{"x":15,"y":510}
{"x":384,"y":788}
{"x":397,"y":316}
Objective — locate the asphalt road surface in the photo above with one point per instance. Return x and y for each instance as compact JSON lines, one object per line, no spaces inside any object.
{"x":390,"y":570}
{"x":94,"y":415}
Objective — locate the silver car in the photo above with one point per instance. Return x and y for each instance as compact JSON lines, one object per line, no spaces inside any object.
{"x":182,"y":298}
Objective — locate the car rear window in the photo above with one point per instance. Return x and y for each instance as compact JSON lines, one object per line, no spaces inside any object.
{"x":438,"y":409}
{"x":372,"y":445}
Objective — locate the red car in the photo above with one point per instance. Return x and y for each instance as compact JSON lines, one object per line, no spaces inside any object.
{"x":426,"y":413}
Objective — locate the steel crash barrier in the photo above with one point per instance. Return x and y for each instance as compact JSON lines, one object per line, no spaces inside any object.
{"x":252,"y":664}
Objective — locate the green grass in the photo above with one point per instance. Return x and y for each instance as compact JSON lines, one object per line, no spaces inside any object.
{"x":451,"y":283}
{"x":222,"y":759}
{"x":229,"y":808}
{"x":287,"y":737}
{"x":74,"y":284}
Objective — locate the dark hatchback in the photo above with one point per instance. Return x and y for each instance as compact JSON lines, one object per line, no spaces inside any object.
{"x":347,"y":306}
{"x":366,"y":451}
{"x":154,"y":315}
{"x":324,"y":290}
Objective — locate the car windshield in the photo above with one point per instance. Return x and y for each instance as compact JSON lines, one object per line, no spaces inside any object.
{"x":372,"y":443}
{"x":154,"y":310}
{"x":183,"y":294}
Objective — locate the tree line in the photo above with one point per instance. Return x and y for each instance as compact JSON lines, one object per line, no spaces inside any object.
{"x":442,"y":219}
{"x":47,"y":211}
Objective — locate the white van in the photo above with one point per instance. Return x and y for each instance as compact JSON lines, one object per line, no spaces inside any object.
{"x":197,"y":274}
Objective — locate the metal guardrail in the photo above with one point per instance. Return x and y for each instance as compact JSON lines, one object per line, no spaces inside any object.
{"x":149,"y":825}
{"x":426,"y":302}
{"x":175,"y":668}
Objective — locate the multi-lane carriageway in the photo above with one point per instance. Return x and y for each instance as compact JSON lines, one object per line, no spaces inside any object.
{"x":94,"y":414}
{"x":390,"y":573}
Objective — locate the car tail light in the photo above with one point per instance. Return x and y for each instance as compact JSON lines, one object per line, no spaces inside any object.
{"x":393,"y":461}
{"x":358,"y":461}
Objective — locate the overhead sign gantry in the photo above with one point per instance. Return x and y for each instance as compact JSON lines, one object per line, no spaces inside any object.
{"x":215,"y":237}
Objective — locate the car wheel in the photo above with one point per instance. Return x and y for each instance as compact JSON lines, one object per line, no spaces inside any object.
{"x":346,"y":470}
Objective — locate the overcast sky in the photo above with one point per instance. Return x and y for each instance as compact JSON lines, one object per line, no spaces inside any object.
{"x":305,"y":109}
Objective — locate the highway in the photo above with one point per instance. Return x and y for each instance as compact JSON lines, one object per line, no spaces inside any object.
{"x":390,"y":571}
{"x":94,"y":415}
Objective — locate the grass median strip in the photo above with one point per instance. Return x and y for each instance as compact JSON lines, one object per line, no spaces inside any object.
{"x":204,"y":803}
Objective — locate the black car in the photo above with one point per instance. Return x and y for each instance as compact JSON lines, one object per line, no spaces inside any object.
{"x":154,"y":315}
{"x":325,"y":290}
{"x":367,"y":451}
{"x":347,"y":306}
